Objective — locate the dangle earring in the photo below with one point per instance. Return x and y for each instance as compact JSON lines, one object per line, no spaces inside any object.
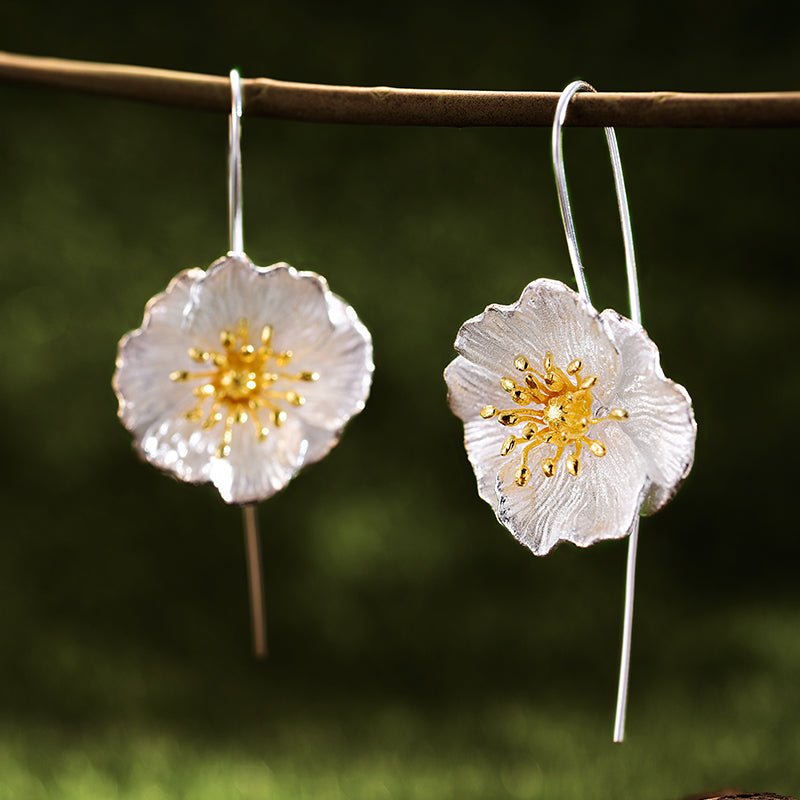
{"x":570,"y":425}
{"x":240,"y":375}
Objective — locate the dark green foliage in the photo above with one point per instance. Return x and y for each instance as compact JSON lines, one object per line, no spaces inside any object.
{"x":418,"y":651}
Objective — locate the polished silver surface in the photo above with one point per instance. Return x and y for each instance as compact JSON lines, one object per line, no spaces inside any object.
{"x":235,"y":166}
{"x":648,"y":454}
{"x":324,"y":334}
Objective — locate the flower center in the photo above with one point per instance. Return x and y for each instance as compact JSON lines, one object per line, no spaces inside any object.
{"x":564,"y":419}
{"x":241,"y":384}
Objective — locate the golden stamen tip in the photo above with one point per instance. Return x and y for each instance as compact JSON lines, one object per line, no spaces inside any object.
{"x":552,"y":381}
{"x":263,"y":433}
{"x":508,"y":418}
{"x":521,"y":398}
{"x":278,"y":418}
{"x":487,"y":412}
{"x":529,"y":431}
{"x":223,"y":451}
{"x":548,"y":361}
{"x":266,"y":334}
{"x":598,"y":448}
{"x":309,"y":377}
{"x":508,"y":446}
{"x":522,"y":476}
{"x":548,"y":467}
{"x":589,"y":382}
{"x":196,"y":354}
{"x":179,"y":375}
{"x":574,"y":366}
{"x":521,"y":363}
{"x":618,"y":413}
{"x":227,"y":339}
{"x":507,"y":384}
{"x":573,"y":465}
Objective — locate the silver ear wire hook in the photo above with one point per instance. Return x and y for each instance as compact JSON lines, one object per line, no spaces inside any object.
{"x":236,"y":238}
{"x":622,"y":201}
{"x":636,"y":316}
{"x":255,"y":578}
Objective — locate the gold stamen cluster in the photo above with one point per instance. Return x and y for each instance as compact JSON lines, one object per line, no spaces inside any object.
{"x":241,"y":383}
{"x":563,"y":420}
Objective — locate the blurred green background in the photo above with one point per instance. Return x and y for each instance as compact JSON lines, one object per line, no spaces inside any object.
{"x":417,"y":650}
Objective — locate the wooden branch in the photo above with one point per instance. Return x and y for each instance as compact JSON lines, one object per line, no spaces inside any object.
{"x":756,"y":796}
{"x":737,"y":796}
{"x":311,"y":102}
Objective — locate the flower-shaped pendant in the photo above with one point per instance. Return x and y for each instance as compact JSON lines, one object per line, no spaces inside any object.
{"x":241,"y":375}
{"x":569,"y":423}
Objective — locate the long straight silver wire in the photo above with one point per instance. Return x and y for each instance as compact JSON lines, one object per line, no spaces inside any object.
{"x":236,"y":236}
{"x":255,"y":581}
{"x":252,"y":544}
{"x":636,"y":316}
{"x":627,"y":635}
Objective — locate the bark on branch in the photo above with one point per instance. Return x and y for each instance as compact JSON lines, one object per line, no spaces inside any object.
{"x":311,"y":102}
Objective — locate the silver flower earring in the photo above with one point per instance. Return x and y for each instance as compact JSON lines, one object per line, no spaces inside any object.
{"x":570,"y":425}
{"x":241,"y":375}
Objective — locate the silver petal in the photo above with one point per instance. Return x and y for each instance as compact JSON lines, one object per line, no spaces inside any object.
{"x":184,"y":448}
{"x":549,"y":316}
{"x":600,"y":503}
{"x":661,"y":423}
{"x":256,"y":470}
{"x":294,"y":303}
{"x":147,"y":356}
{"x":343,"y":361}
{"x":469,"y":388}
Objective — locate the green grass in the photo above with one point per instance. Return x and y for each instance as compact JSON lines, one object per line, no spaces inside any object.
{"x":261,"y":735}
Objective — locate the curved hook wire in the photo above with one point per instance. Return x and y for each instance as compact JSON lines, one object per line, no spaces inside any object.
{"x":566,"y":209}
{"x":236,"y":237}
{"x":636,"y":316}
